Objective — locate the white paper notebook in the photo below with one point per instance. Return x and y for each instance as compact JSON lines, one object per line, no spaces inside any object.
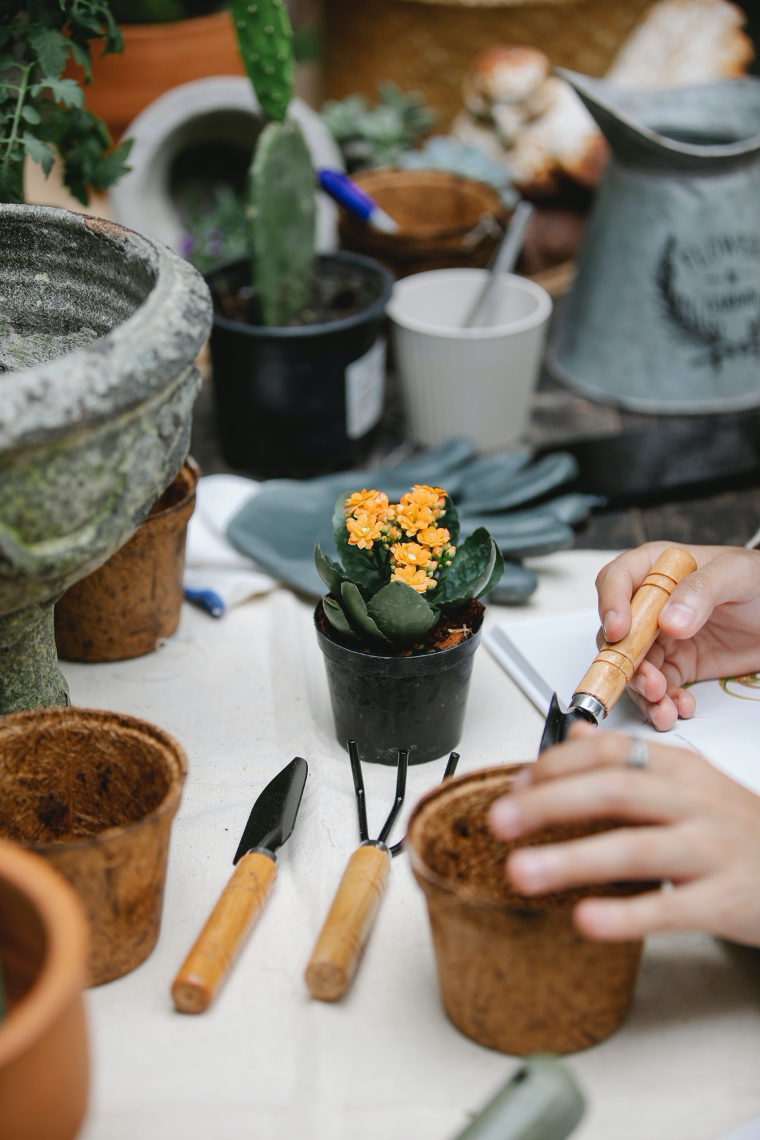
{"x":550,"y":654}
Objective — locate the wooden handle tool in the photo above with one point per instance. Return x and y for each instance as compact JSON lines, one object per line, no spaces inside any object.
{"x":615,"y":663}
{"x":227,"y":927}
{"x":339,"y":947}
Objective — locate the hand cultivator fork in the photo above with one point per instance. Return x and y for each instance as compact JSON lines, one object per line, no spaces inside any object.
{"x":339,"y":947}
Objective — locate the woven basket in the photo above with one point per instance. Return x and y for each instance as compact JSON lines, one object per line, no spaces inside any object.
{"x":430,"y":46}
{"x":95,"y":793}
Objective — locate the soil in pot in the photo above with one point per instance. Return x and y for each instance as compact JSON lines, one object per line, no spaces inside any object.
{"x":43,"y":1038}
{"x":304,"y":399}
{"x":515,"y":975}
{"x":132,"y":603}
{"x":95,"y":793}
{"x":415,"y":699}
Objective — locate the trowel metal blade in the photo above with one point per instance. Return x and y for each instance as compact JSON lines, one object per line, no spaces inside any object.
{"x":273,"y":816}
{"x":558,"y":724}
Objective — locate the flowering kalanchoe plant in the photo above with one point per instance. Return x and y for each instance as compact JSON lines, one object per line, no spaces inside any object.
{"x":401,"y":566}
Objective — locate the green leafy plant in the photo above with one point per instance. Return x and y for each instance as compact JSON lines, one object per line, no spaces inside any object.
{"x":377,"y":136}
{"x":400,"y":569}
{"x":41,"y":112}
{"x":281,"y":206}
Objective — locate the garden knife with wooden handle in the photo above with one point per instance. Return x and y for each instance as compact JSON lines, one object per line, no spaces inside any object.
{"x":270,"y":823}
{"x":615,"y":663}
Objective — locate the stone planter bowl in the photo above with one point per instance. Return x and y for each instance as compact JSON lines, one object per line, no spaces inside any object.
{"x":100,"y":327}
{"x":43,"y":1039}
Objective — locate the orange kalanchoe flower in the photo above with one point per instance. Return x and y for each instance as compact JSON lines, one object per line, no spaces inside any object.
{"x":412,"y":518}
{"x":417,"y":579}
{"x":433,"y":536}
{"x":363,"y":530}
{"x":367,"y":502}
{"x":425,"y":496}
{"x":412,"y":554}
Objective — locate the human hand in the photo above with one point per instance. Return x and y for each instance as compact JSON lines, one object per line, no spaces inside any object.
{"x":701,"y":831}
{"x":710,"y":626}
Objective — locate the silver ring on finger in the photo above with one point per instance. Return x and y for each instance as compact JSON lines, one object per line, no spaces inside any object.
{"x":638,"y":754}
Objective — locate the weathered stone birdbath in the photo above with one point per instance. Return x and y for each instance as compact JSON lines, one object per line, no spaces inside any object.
{"x":99,"y":328}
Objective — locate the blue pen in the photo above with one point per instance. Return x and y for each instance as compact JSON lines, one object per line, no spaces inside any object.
{"x":347,"y":194}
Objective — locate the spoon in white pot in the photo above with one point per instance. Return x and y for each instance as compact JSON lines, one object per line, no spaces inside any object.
{"x":482,"y":312}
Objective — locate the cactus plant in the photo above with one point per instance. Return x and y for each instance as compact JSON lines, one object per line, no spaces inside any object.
{"x":281,"y":210}
{"x":400,"y":567}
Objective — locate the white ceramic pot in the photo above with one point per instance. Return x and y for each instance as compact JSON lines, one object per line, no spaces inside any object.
{"x":474,"y":382}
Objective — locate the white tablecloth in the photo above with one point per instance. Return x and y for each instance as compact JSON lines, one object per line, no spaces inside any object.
{"x":244,"y":695}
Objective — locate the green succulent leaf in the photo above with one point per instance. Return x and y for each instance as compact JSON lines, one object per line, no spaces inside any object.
{"x":338,"y":620}
{"x":401,"y":613}
{"x":451,"y":521}
{"x":330,"y":572}
{"x":472,"y":572}
{"x":358,"y":613}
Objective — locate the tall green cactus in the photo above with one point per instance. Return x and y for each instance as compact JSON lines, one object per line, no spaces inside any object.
{"x":265,"y":38}
{"x":281,"y":207}
{"x":281,"y":220}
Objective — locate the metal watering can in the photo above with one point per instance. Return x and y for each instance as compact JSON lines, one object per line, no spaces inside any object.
{"x":664,"y":315}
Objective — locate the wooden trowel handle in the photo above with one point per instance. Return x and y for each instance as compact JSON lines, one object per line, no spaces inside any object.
{"x":227,"y":927}
{"x":338,"y":949}
{"x":615,"y":663}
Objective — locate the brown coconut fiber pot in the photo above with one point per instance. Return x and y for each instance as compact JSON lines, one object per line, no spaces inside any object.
{"x":43,"y":1037}
{"x":515,"y":975}
{"x":131,"y":603}
{"x":445,"y":221}
{"x":95,"y":793}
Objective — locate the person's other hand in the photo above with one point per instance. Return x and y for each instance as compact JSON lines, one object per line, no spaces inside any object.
{"x":695,"y":827}
{"x":709,"y":627}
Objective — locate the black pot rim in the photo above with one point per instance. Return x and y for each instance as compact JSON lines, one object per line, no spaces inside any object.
{"x":279,"y":333}
{"x":436,"y":655}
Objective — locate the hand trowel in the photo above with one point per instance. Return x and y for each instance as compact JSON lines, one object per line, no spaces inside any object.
{"x":270,"y":823}
{"x":615,"y":663}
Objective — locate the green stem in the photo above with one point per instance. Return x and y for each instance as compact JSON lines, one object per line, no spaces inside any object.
{"x":22,"y":90}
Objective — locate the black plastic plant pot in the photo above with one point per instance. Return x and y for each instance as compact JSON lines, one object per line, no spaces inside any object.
{"x":387,"y":703}
{"x":304,"y":400}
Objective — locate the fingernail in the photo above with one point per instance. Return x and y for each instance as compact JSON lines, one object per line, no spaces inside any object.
{"x":679,"y":615}
{"x":608,"y":620}
{"x":504,"y":818}
{"x":529,"y":869}
{"x":522,"y":780}
{"x":640,"y":685}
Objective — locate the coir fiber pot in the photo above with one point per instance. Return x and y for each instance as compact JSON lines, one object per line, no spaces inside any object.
{"x":515,"y":974}
{"x":387,"y":703}
{"x":303,"y":400}
{"x":95,"y":793}
{"x":445,"y":221}
{"x":132,"y":602}
{"x":43,"y":1037}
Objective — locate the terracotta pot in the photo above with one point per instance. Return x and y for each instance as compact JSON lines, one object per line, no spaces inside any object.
{"x":515,"y":974}
{"x":445,"y":221}
{"x":156,"y":58}
{"x":43,"y":1038}
{"x":95,"y":793}
{"x":131,"y":603}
